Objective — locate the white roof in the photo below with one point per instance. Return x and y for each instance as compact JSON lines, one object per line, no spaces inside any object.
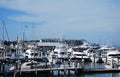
{"x":113,"y":52}
{"x":48,"y":44}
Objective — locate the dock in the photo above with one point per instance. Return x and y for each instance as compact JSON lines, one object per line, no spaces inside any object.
{"x":50,"y":71}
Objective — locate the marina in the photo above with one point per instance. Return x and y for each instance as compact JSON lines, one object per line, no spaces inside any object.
{"x":60,"y":38}
{"x":61,"y":60}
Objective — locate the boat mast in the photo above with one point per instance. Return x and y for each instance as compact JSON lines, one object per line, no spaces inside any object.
{"x":16,"y":53}
{"x":23,"y":39}
{"x":33,"y":32}
{"x":3,"y":39}
{"x":3,"y":30}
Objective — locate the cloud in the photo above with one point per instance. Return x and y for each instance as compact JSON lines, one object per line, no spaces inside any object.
{"x":26,"y":18}
{"x":57,"y":17}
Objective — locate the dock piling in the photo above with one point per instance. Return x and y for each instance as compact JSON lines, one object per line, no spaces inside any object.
{"x":64,"y":69}
{"x":51,"y":72}
{"x":106,"y":59}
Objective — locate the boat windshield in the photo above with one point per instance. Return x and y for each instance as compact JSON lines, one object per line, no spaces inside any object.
{"x":115,"y":55}
{"x":34,"y":54}
{"x":80,"y":54}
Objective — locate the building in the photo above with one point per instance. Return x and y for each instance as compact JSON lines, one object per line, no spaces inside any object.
{"x":50,"y":44}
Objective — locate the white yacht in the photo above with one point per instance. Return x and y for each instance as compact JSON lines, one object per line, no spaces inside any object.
{"x":113,"y":55}
{"x":81,"y":55}
{"x":32,"y":53}
{"x":113,"y":59}
{"x":59,"y":54}
{"x":61,"y":51}
{"x":91,"y":52}
{"x":76,"y":53}
{"x":16,"y":52}
{"x":106,"y":49}
{"x":94,"y":54}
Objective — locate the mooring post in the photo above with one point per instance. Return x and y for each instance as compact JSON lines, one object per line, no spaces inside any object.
{"x":16,"y":64}
{"x":32,"y":64}
{"x":0,"y":67}
{"x":75,"y":66}
{"x":64,"y":69}
{"x":82,"y":63}
{"x":35,"y":70}
{"x":58,"y":72}
{"x":51,"y":68}
{"x":58,"y":67}
{"x":106,"y":59}
{"x":79,"y":63}
{"x":112,"y":63}
{"x":69,"y":67}
{"x":20,"y":70}
{"x":3,"y":68}
{"x":118,"y":62}
{"x":94,"y":59}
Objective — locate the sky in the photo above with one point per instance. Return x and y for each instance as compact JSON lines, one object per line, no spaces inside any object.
{"x":96,"y":21}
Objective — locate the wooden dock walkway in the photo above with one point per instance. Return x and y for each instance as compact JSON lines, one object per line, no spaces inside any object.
{"x":77,"y":71}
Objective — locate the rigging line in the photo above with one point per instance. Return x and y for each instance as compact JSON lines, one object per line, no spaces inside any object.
{"x":6,"y":30}
{"x":3,"y":30}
